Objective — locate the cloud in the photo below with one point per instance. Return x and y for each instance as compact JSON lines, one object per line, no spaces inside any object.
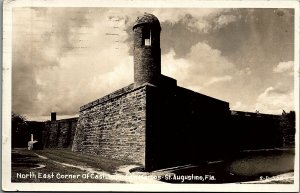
{"x":177,"y":14}
{"x":244,"y":72}
{"x":64,"y":57}
{"x":61,"y":67}
{"x":284,"y":67}
{"x":214,"y":80}
{"x":202,"y":59}
{"x":178,"y":23}
{"x":196,"y":24}
{"x":200,"y":20}
{"x":203,"y":66}
{"x":175,"y":67}
{"x":274,"y":100}
{"x":223,"y":20}
{"x":209,"y":60}
{"x":183,"y":28}
{"x":207,"y":67}
{"x":239,"y":106}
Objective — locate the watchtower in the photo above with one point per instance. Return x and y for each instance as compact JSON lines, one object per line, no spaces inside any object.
{"x":147,"y":53}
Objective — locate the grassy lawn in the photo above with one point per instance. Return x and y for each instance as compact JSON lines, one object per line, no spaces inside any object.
{"x":46,"y":166}
{"x":67,"y":156}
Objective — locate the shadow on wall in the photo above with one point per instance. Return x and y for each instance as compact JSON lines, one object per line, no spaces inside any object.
{"x":59,"y":133}
{"x":184,"y":127}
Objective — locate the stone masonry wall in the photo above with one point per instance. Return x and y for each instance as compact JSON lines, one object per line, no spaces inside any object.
{"x":60,"y":133}
{"x":114,"y":126}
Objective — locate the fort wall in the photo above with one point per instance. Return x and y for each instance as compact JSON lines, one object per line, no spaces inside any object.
{"x":48,"y":134}
{"x":114,"y":126}
{"x":155,"y":126}
{"x":183,"y":127}
{"x":255,"y":131}
{"x":59,"y":133}
{"x":167,"y":125}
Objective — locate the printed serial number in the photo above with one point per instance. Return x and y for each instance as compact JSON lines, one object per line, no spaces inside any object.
{"x":270,"y":178}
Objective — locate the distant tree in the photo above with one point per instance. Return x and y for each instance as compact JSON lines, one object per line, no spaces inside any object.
{"x":287,"y":126}
{"x":19,"y":130}
{"x":18,"y":121}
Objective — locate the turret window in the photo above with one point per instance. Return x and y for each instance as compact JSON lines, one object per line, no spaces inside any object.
{"x":146,"y":37}
{"x":147,"y":42}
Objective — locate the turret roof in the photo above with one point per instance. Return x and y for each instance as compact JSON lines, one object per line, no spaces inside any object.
{"x":147,"y":18}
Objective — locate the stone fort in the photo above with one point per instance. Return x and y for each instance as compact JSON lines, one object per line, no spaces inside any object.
{"x":156,"y":123}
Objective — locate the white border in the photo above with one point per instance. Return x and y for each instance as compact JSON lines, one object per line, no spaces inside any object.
{"x":6,"y":103}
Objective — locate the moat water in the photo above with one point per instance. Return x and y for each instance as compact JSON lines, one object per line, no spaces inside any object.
{"x":247,"y":166}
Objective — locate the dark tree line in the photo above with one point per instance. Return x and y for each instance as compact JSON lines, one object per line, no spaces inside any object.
{"x":19,"y":130}
{"x":288,"y":128}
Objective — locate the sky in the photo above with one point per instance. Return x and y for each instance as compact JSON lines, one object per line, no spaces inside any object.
{"x":63,"y":58}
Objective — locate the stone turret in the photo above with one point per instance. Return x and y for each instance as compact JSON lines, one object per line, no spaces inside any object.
{"x":147,"y":53}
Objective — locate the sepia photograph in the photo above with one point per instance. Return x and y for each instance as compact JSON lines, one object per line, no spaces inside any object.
{"x":131,"y":95}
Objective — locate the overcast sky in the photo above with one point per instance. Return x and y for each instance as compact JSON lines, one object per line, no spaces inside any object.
{"x":64,"y":58}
